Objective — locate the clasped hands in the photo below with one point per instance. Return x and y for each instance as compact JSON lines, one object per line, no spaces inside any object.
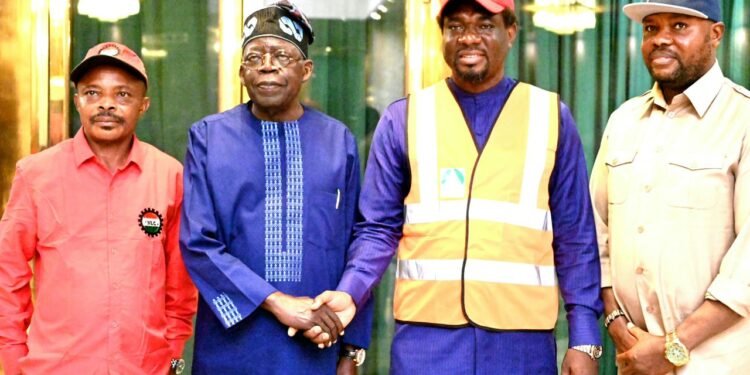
{"x":322,"y":319}
{"x":638,"y":352}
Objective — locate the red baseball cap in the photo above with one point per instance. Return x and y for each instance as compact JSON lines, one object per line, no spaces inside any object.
{"x":110,"y":53}
{"x":493,"y":6}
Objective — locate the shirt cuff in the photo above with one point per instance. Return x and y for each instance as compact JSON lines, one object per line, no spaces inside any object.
{"x":734,"y":294}
{"x":354,"y":287}
{"x":232,"y":311}
{"x":583,"y":327}
{"x":356,"y":342}
{"x":10,"y":357}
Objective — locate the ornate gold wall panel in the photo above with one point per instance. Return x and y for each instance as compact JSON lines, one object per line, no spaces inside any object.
{"x":424,"y":57}
{"x":230,"y":35}
{"x":15,"y":78}
{"x":34,"y":55}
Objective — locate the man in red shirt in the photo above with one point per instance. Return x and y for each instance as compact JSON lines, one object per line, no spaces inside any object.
{"x":99,"y":216}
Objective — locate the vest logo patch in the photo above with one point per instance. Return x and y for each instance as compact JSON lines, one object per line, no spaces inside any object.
{"x":151,"y":222}
{"x":452,"y":183}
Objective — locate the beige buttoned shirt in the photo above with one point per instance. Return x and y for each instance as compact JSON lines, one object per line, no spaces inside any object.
{"x":671,"y":192}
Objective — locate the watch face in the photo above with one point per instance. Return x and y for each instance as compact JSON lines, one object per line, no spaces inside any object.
{"x":596,"y":351}
{"x":360,"y":357}
{"x":677,"y":354}
{"x":178,"y":365}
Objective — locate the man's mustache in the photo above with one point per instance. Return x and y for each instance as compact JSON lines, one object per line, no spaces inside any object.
{"x":662,"y":52}
{"x":107,"y":116}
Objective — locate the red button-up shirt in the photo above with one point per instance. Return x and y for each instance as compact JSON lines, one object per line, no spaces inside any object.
{"x":111,"y":292}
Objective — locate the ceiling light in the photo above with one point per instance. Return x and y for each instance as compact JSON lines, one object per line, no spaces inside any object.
{"x":564,"y":16}
{"x":109,"y":10}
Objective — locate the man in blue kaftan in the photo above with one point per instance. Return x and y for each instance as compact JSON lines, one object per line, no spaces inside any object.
{"x":270,"y":197}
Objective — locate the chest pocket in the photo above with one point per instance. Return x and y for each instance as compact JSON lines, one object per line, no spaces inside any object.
{"x":620,"y":168}
{"x":325,"y":220}
{"x":696,"y":180}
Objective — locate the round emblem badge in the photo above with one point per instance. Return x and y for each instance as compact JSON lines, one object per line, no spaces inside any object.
{"x":109,"y":51}
{"x":150,"y":222}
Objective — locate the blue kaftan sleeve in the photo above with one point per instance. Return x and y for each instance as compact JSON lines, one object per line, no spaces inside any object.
{"x":227,"y":285}
{"x":574,"y":243}
{"x":359,"y":330}
{"x":379,"y":225}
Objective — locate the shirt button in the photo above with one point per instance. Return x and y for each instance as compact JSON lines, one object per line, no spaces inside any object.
{"x":115,"y":324}
{"x":670,"y":114}
{"x":647,"y":188}
{"x":651,"y":309}
{"x":640,"y":229}
{"x":115,"y":285}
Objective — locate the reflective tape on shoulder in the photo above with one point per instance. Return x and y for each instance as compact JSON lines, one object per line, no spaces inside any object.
{"x":536,"y":146}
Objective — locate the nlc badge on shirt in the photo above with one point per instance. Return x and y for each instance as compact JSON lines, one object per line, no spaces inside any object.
{"x":151,"y":222}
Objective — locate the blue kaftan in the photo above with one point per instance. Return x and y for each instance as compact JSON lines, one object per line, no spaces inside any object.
{"x":268,"y":206}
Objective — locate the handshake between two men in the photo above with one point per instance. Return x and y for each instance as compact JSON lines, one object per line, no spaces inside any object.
{"x":322,"y":319}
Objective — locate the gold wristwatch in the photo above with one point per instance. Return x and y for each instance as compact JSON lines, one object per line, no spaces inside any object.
{"x":675,"y":351}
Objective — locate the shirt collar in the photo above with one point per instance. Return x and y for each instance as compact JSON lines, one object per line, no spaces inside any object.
{"x":703,"y":92}
{"x":700,"y":94}
{"x":82,"y":151}
{"x":500,"y":88}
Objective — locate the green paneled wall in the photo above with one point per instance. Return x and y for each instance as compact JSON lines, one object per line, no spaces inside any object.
{"x":182,"y":84}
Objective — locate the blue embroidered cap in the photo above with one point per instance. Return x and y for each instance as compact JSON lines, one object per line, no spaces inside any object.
{"x":706,"y":9}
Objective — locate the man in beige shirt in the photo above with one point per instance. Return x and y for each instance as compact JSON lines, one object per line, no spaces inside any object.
{"x":671,"y":190}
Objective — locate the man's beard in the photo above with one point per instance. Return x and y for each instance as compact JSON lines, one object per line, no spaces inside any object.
{"x":685,"y":74}
{"x":679,"y":79}
{"x":471,"y":75}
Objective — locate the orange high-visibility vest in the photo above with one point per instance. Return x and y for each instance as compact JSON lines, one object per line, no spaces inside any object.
{"x":477,"y":239}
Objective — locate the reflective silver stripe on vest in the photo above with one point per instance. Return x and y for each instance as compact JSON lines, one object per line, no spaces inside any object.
{"x":426,"y":143}
{"x":500,"y":212}
{"x":536,"y":146}
{"x":490,"y":271}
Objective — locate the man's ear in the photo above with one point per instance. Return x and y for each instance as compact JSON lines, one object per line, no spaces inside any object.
{"x":717,"y":33}
{"x":308,"y":66}
{"x":144,"y":106}
{"x":241,"y":71}
{"x":512,"y":33}
{"x":76,"y":100}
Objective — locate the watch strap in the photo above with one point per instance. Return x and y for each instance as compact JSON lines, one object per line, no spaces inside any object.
{"x":616,"y":313}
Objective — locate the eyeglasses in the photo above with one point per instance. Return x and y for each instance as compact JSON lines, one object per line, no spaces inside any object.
{"x":279,"y":59}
